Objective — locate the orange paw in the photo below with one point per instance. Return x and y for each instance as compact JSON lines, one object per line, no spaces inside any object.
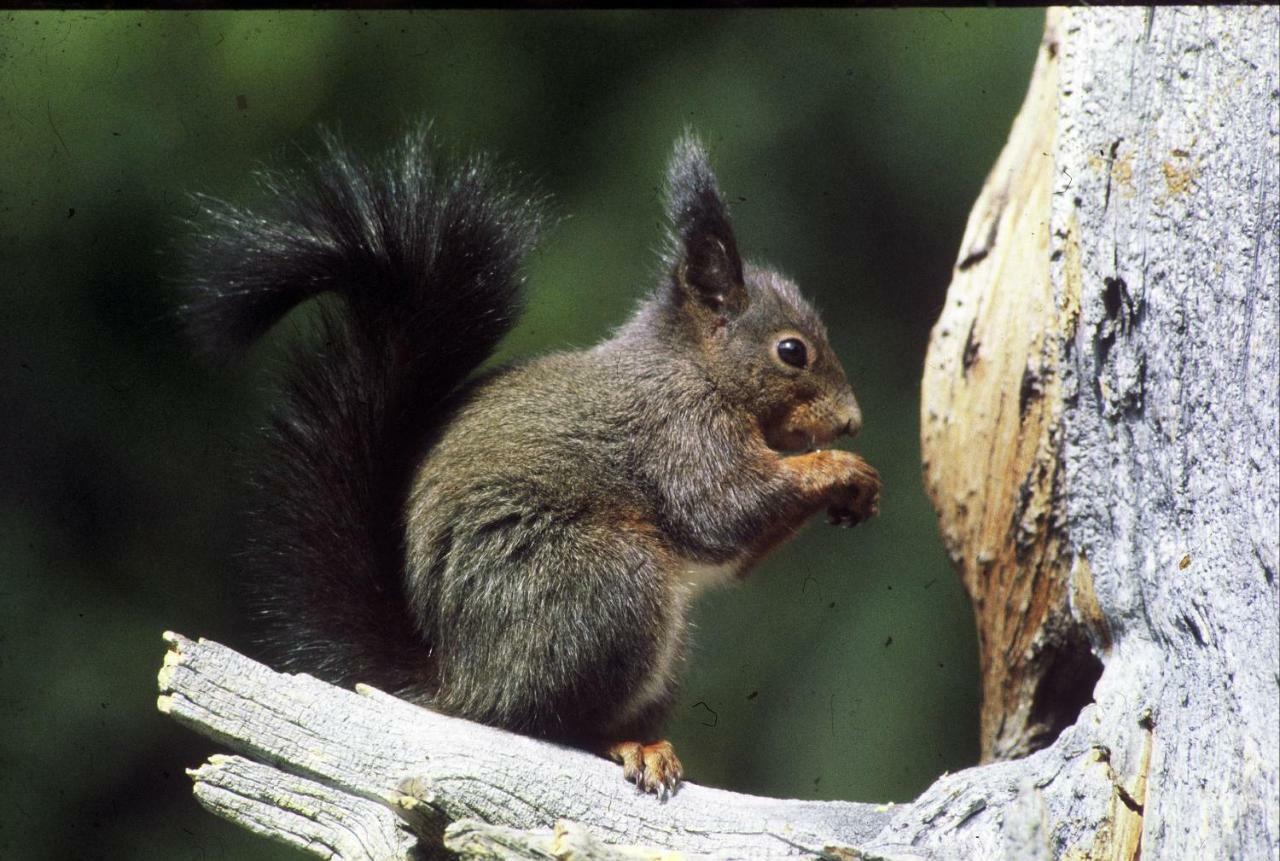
{"x":651,"y":767}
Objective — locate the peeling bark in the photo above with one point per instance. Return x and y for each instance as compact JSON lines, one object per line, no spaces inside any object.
{"x":991,"y":433}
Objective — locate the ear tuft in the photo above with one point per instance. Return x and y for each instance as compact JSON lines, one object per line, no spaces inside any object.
{"x":707,"y":265}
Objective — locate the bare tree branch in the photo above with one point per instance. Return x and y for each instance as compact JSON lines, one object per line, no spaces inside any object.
{"x":431,"y":769}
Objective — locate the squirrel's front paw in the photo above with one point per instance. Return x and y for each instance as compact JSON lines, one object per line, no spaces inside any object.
{"x":858,"y":497}
{"x":651,"y":767}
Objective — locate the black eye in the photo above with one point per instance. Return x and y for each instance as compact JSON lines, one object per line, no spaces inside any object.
{"x":793,"y":352}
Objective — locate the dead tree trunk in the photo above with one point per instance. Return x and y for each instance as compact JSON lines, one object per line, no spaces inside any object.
{"x":1100,"y":423}
{"x":1102,"y":441}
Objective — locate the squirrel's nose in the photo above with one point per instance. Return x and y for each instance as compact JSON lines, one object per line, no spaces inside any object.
{"x":852,"y":415}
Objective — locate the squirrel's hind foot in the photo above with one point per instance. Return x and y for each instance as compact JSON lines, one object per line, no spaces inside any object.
{"x":651,"y":767}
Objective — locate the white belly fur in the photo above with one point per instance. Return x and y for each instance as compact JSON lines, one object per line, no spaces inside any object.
{"x":698,"y":577}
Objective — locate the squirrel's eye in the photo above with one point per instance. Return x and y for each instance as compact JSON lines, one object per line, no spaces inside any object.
{"x":793,"y":352}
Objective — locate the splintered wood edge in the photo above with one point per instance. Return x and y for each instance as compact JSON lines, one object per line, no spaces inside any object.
{"x":430,"y":769}
{"x":164,"y":679}
{"x":301,"y":813}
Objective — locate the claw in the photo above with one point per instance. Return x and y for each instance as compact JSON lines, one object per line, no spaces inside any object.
{"x":651,"y":767}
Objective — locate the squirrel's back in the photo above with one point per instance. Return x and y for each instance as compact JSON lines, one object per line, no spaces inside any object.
{"x":422,"y":258}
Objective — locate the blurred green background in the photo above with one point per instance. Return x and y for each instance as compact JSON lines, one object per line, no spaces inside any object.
{"x":851,"y":143}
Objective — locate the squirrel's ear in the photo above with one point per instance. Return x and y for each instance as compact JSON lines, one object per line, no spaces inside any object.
{"x":707,"y":266}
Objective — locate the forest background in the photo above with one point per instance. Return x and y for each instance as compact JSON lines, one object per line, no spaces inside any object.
{"x":851,"y":145}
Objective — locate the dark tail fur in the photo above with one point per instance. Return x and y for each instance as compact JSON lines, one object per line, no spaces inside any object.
{"x":425,"y":261}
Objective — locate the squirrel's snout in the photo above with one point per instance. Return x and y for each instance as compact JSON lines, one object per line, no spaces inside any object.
{"x":851,"y":414}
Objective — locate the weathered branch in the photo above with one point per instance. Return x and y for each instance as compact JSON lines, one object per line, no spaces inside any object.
{"x":320,"y":819}
{"x":1102,"y":432}
{"x":431,"y":769}
{"x":300,"y":812}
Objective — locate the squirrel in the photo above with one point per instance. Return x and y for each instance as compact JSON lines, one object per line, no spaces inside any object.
{"x":517,"y":546}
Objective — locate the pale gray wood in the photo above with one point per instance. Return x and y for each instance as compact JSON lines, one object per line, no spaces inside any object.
{"x":1168,"y":175}
{"x":300,"y":812}
{"x":472,"y":839}
{"x":416,"y":762}
{"x":1166,"y":164}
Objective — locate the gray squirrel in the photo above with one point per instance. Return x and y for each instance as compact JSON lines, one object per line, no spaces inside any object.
{"x":521,"y":546}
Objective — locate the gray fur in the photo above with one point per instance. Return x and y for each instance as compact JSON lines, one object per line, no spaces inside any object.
{"x":549,"y":524}
{"x":521,"y":548}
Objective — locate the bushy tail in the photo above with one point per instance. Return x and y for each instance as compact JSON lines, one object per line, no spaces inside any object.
{"x":425,"y":261}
